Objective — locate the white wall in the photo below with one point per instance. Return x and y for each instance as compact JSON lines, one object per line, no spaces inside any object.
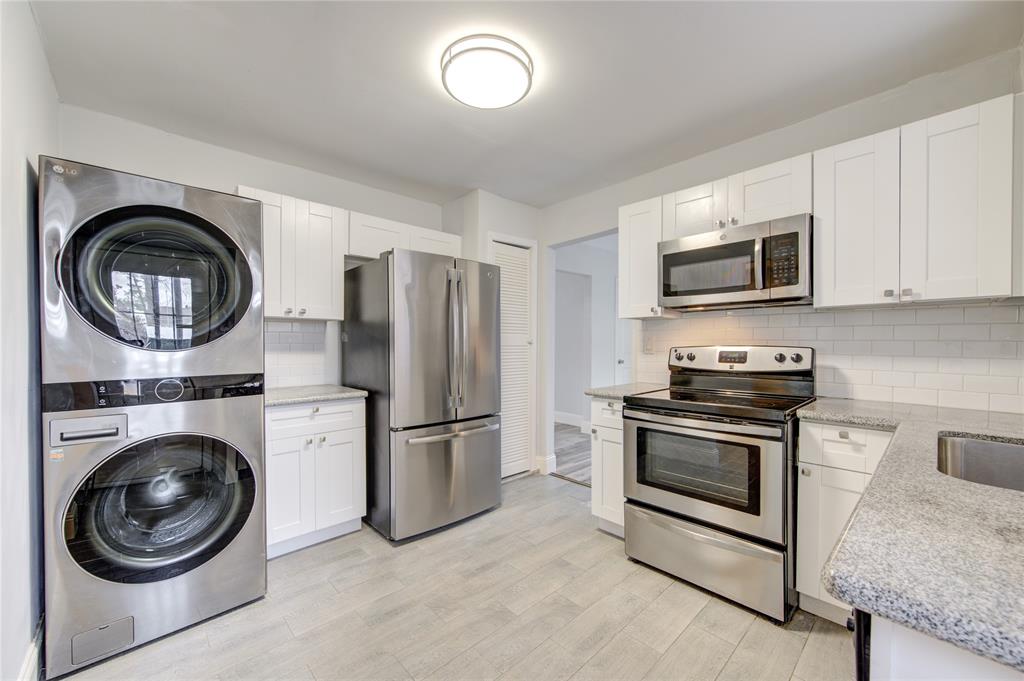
{"x":28,"y":118}
{"x":479,"y":213}
{"x":572,"y":347}
{"x":597,"y":211}
{"x":100,"y":139}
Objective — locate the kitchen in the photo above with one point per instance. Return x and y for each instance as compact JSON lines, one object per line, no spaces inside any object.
{"x":908,"y":162}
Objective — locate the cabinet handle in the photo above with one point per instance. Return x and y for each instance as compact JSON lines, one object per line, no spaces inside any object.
{"x":309,"y":440}
{"x":888,"y":293}
{"x":734,"y":221}
{"x":287,"y":310}
{"x":844,"y":435}
{"x":302,"y":310}
{"x":316,"y":410}
{"x":907,"y":292}
{"x":323,"y":438}
{"x":806,"y":472}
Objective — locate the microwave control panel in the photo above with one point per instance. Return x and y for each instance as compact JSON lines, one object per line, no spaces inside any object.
{"x":783,"y":260}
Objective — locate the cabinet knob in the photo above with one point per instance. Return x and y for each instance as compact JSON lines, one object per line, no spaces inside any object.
{"x":309,"y":440}
{"x":323,"y":438}
{"x":907,"y":292}
{"x":734,"y":221}
{"x":287,"y":310}
{"x":611,"y":405}
{"x":654,"y":310}
{"x":888,"y":293}
{"x":593,"y":431}
{"x":316,"y":410}
{"x":844,"y":435}
{"x":721,"y":224}
{"x":302,"y":310}
{"x":806,"y":472}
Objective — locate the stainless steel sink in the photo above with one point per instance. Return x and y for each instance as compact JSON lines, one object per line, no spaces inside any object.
{"x":1000,"y":464}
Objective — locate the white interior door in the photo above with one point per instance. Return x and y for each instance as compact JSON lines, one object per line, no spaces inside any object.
{"x":517,"y":358}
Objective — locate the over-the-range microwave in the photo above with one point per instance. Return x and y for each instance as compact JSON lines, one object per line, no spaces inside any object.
{"x":765,"y":263}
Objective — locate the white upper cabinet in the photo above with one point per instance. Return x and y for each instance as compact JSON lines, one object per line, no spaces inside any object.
{"x":433,"y":241}
{"x":956,"y":203}
{"x":857,"y":221}
{"x":369,"y":236}
{"x":639,"y":234}
{"x":695,"y":210}
{"x":304,"y":247}
{"x":776,"y":190}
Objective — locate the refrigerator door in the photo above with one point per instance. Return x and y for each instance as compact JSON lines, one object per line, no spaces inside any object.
{"x":480,"y":387}
{"x":424,"y":338}
{"x":443,"y":474}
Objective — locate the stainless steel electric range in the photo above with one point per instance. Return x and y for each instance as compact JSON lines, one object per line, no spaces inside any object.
{"x":709,"y":471}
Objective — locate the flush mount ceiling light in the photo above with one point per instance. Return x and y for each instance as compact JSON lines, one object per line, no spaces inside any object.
{"x":486,"y":71}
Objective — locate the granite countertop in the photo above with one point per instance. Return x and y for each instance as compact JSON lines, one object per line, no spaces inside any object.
{"x":302,"y":394}
{"x":617,"y":392}
{"x":934,"y":553}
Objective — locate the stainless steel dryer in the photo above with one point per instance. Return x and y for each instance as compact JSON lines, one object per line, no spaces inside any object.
{"x":142,"y":278}
{"x":154,"y":511}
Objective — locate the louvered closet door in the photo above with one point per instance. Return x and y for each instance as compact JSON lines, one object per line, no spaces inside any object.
{"x":516,"y":357}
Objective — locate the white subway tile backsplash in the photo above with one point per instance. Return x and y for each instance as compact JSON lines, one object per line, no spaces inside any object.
{"x":302,"y":352}
{"x":969,"y":355}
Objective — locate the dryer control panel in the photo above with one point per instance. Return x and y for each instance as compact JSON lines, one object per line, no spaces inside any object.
{"x":135,"y":391}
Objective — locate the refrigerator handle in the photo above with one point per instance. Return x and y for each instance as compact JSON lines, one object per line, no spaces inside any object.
{"x":453,"y":353}
{"x":464,"y":344}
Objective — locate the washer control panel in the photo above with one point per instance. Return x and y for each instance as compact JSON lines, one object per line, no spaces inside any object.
{"x":136,"y":391}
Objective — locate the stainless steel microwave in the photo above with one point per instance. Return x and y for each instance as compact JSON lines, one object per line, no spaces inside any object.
{"x":766,"y":263}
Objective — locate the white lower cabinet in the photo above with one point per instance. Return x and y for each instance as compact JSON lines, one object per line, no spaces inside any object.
{"x":835,"y":466}
{"x":606,"y":465}
{"x":316,"y":473}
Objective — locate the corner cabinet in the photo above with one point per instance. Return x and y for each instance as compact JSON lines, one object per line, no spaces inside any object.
{"x":607,"y":499}
{"x":304,"y":247}
{"x":835,"y":466}
{"x":370,"y":236}
{"x":639,"y":234}
{"x":316,"y":473}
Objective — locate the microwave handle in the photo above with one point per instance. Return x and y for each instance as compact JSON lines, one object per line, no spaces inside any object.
{"x":759,"y":256}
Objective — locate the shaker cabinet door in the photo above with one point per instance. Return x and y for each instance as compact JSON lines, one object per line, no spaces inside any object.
{"x":290,"y":500}
{"x":322,"y":242}
{"x":278,"y":251}
{"x":696,"y":210}
{"x":956,"y":202}
{"x":639,"y":234}
{"x":857,"y":221}
{"x":776,"y":190}
{"x":340,"y":472}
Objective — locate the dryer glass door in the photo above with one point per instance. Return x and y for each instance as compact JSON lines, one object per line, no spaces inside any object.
{"x":155,"y":277}
{"x":159,"y":508}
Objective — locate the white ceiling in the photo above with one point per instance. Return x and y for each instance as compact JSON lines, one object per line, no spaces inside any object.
{"x":352,"y":89}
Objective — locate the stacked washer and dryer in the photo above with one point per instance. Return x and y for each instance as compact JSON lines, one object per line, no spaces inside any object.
{"x":152,"y":369}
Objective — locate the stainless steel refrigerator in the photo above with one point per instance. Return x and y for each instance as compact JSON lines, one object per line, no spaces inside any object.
{"x":422,"y":337}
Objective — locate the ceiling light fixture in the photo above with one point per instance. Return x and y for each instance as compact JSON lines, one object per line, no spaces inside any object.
{"x":486,"y":71}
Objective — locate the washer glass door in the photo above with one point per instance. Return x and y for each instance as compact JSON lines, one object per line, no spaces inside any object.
{"x":159,"y":508}
{"x":155,"y":277}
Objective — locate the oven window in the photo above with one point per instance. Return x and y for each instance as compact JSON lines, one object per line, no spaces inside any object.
{"x":722,"y":473}
{"x":717,"y":269}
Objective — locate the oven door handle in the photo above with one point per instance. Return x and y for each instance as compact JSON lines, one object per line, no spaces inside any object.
{"x":709,"y":426}
{"x":731,"y":544}
{"x":759,"y":264}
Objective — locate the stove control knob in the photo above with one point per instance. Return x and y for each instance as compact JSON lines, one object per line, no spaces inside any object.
{"x":679,"y":357}
{"x":780,"y":358}
{"x":690,"y":356}
{"x":797,"y":357}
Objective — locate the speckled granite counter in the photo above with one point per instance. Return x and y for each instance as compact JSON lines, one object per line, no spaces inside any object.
{"x":310,"y":393}
{"x":934,"y":553}
{"x":617,"y":392}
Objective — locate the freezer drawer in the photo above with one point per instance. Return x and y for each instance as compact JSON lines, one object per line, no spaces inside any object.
{"x":441,"y":474}
{"x":740,"y":570}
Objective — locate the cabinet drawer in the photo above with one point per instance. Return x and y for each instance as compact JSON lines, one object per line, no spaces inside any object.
{"x":607,"y":413}
{"x":850,"y":481}
{"x":835,"y":446}
{"x":315,"y":417}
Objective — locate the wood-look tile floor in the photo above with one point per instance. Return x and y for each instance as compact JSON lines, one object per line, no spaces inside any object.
{"x":572,"y":453}
{"x":531,"y":591}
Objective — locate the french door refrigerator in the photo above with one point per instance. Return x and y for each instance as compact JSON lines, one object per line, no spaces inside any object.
{"x":422,"y":337}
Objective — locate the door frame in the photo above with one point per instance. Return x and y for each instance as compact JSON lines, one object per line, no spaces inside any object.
{"x":538,"y":461}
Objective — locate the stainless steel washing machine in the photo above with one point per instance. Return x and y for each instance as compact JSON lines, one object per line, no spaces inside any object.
{"x":142,"y":278}
{"x":153,"y":512}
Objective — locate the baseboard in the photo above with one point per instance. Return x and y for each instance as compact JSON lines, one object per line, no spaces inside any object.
{"x":295,"y":543}
{"x":569,"y":419}
{"x":30,"y":667}
{"x":549,"y":464}
{"x":610,"y":527}
{"x":824,"y":610}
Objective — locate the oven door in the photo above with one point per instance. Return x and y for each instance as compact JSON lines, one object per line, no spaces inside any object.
{"x":728,"y":474}
{"x":727,"y":266}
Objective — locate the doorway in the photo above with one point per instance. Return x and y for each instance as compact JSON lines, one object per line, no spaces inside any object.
{"x":593,"y":347}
